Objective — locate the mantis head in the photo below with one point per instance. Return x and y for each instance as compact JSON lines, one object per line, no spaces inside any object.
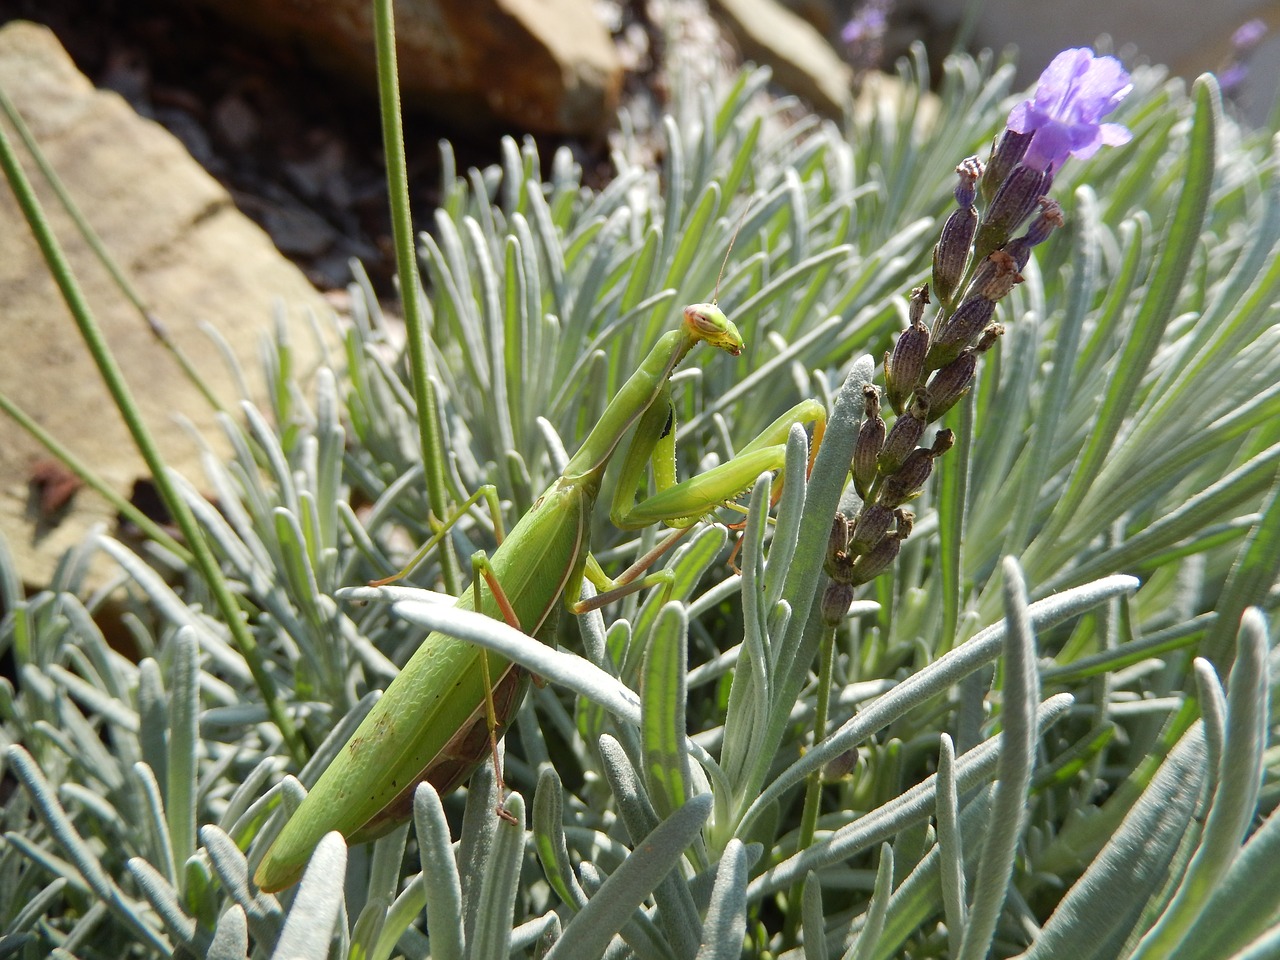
{"x":706,"y":321}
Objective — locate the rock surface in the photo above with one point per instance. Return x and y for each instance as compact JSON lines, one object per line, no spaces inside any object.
{"x":545,"y":66}
{"x":192,"y":255}
{"x":803,"y":62}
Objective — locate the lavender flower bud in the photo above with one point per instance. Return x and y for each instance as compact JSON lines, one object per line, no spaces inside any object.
{"x":870,"y":401}
{"x":841,"y":766}
{"x":870,"y":441}
{"x":916,"y":303}
{"x":951,"y":383}
{"x":904,"y":436}
{"x":969,"y":171}
{"x":1050,"y":218}
{"x":943,"y":441}
{"x":990,"y":334}
{"x":908,"y":482}
{"x":904,"y":367}
{"x":840,"y":568}
{"x":1007,"y":154}
{"x":838,"y":541}
{"x":837,"y":559}
{"x":961,"y":327}
{"x":906,"y":521}
{"x":951,"y":253}
{"x":997,"y":275}
{"x":877,"y":560}
{"x":872,"y":524}
{"x":1013,"y":202}
{"x":1248,"y":35}
{"x":835,"y":602}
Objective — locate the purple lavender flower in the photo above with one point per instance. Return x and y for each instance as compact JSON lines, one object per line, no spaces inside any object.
{"x":1248,"y":35}
{"x":864,"y":34}
{"x":1232,"y":78}
{"x":1232,"y":74}
{"x":1074,"y":92}
{"x":869,"y":25}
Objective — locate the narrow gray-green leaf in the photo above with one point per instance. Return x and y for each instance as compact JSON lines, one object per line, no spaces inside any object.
{"x":940,"y":675}
{"x":309,"y":927}
{"x":156,"y":823}
{"x":726,"y":922}
{"x":910,"y":808}
{"x":230,"y":936}
{"x":184,"y":709}
{"x":1132,"y":866}
{"x":662,"y":711}
{"x":496,"y":906}
{"x":676,"y":910}
{"x":587,"y":934}
{"x":950,"y":846}
{"x":76,"y":848}
{"x":1244,"y":904}
{"x":869,"y":938}
{"x":1213,"y":716}
{"x":1234,"y":801}
{"x":1021,"y":694}
{"x":549,"y":841}
{"x":1252,"y":576}
{"x":812,"y":920}
{"x":262,"y":910}
{"x":164,"y":898}
{"x":440,"y":878}
{"x":367,"y":931}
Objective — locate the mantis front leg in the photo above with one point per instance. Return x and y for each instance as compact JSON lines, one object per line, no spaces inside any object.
{"x":682,"y":504}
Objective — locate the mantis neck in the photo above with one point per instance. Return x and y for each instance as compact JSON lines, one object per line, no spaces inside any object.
{"x":628,"y":405}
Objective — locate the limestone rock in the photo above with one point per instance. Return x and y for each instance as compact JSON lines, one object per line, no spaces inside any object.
{"x":802,"y":60}
{"x":194,"y":258}
{"x":545,"y":66}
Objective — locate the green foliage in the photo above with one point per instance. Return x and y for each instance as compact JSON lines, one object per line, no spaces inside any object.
{"x":1030,"y":774}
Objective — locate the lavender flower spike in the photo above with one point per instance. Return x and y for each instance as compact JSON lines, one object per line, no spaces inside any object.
{"x":1074,"y":92}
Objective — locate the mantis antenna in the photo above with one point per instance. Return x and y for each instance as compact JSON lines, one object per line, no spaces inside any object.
{"x":732,"y":240}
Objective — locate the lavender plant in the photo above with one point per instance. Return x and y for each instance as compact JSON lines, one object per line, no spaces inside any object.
{"x":1009,"y":757}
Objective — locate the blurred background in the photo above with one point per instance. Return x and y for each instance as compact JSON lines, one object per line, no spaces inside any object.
{"x":275,"y":98}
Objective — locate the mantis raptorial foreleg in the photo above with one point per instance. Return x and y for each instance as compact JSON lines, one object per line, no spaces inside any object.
{"x":446,"y":708}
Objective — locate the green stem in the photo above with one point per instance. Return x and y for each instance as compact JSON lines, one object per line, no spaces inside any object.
{"x":424,"y":390}
{"x":205,"y":561}
{"x":953,"y":501}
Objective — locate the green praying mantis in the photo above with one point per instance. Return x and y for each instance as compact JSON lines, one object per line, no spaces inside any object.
{"x":444,"y":711}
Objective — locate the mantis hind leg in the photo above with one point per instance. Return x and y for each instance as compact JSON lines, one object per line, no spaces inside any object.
{"x":482,"y":569}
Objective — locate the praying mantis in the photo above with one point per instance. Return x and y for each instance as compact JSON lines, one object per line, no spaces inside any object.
{"x":443,"y":712}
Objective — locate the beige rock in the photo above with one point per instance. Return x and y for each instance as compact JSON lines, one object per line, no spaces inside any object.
{"x":192,"y":255}
{"x":546,"y":66}
{"x":802,"y":60}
